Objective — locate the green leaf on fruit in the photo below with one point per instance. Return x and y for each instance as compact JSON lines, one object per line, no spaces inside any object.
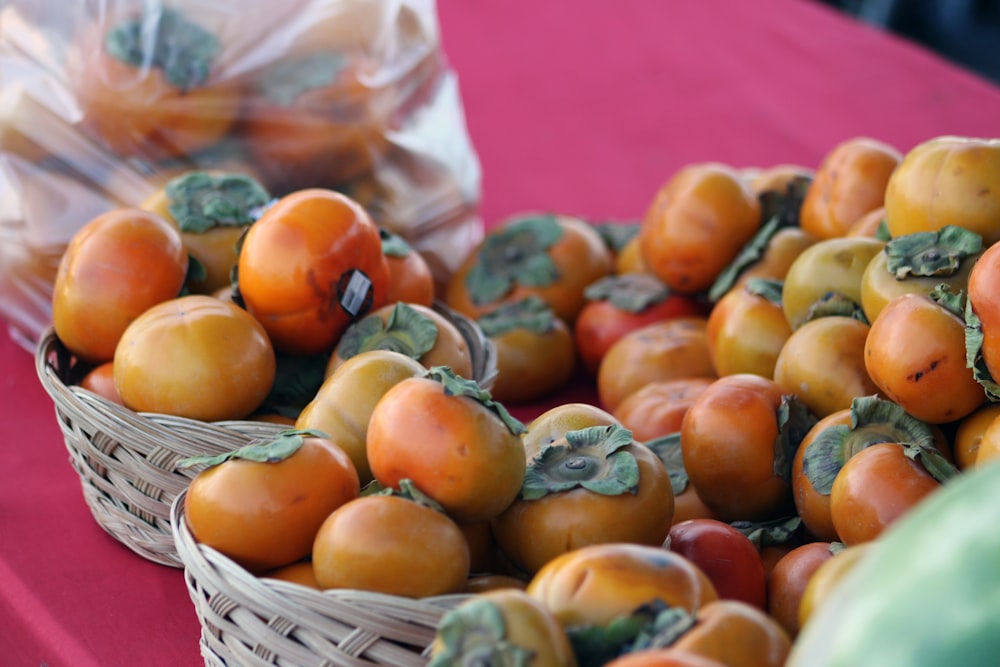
{"x":406,"y":331}
{"x":456,"y":385}
{"x":276,"y":450}
{"x":629,"y":292}
{"x":668,"y":449}
{"x":530,"y":313}
{"x":590,"y":458}
{"x":516,"y":253}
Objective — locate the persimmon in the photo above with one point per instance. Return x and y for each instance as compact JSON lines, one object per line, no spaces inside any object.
{"x":827,"y":577}
{"x":599,"y":583}
{"x":776,"y":178}
{"x":501,"y":627}
{"x":989,"y":444}
{"x":984,"y":319}
{"x":324,"y":130}
{"x":115,"y":267}
{"x":789,"y":578}
{"x":736,"y":634}
{"x":878,"y":485}
{"x":101,"y":381}
{"x":737,"y":440}
{"x":871,"y":224}
{"x":969,"y":434}
{"x":727,"y":556}
{"x":412,"y":329}
{"x":309,"y":267}
{"x":747,"y":329}
{"x":663,"y":657}
{"x":535,"y":352}
{"x":665,"y":350}
{"x":150,"y":86}
{"x":196,"y":357}
{"x":448,"y":436}
{"x":823,"y":364}
{"x":696,"y":224}
{"x":300,"y":572}
{"x":390,"y":543}
{"x":931,"y":381}
{"x":262,"y":504}
{"x":831,"y":269}
{"x":410,"y":277}
{"x":629,"y":258}
{"x":657,"y":409}
{"x":554,"y":423}
{"x":553,"y":257}
{"x":919,"y":263}
{"x":343,"y":404}
{"x":778,"y":255}
{"x":618,"y":304}
{"x":212,"y":210}
{"x":850,"y":181}
{"x":946,"y":180}
{"x":834,"y":439}
{"x":594,"y":485}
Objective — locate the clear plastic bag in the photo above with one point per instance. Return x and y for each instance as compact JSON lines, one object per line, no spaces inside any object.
{"x":102,"y":102}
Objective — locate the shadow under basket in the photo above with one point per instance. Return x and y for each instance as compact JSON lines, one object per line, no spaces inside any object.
{"x":127,"y":460}
{"x":250,"y":621}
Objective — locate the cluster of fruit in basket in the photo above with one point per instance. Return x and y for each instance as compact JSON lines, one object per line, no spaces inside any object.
{"x":820,"y":367}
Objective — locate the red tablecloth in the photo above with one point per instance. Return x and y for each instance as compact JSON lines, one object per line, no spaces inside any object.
{"x":573,"y":106}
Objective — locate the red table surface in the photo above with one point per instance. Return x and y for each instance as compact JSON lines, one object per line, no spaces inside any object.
{"x":573,"y":107}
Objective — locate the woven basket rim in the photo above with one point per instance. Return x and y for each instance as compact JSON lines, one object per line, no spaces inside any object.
{"x":482,"y":349}
{"x":327,"y":623}
{"x":127,"y":460}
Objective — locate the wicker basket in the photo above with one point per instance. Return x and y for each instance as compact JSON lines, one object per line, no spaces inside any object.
{"x":127,"y":460}
{"x":248,"y":621}
{"x":481,"y":348}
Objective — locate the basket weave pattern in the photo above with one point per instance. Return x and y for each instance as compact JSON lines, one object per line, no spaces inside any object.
{"x":126,"y":460}
{"x":257,"y":622}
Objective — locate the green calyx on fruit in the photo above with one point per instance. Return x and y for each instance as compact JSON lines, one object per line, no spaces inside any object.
{"x":794,"y":422}
{"x":616,"y":235}
{"x":276,"y":450}
{"x":937,"y":253}
{"x":406,"y":331}
{"x":974,"y":353}
{"x":200,"y":201}
{"x":873,"y":420}
{"x":287,"y":79}
{"x":393,"y":245}
{"x":668,"y":449}
{"x":651,"y":626}
{"x":771,"y":532}
{"x":592,"y":458}
{"x":408,"y":490}
{"x":766,"y":288}
{"x":531,"y":313}
{"x":932,"y":460}
{"x":182,"y":49}
{"x":835,"y":304}
{"x":778,"y":211}
{"x":475,"y":634}
{"x":515,"y":254}
{"x":456,"y":385}
{"x":630,"y":292}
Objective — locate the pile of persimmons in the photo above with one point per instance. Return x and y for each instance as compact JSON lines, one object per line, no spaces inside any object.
{"x":783,"y":362}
